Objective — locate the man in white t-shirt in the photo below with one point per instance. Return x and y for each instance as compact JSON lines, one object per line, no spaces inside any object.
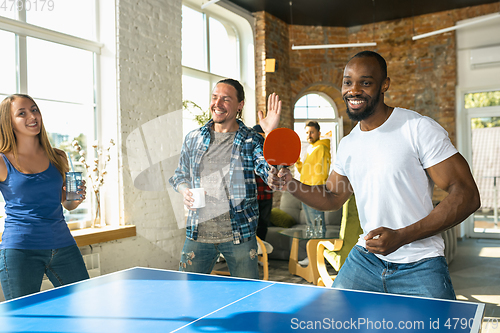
{"x":391,"y":161}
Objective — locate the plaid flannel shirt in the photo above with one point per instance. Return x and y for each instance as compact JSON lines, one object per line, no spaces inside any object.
{"x":264,"y":191}
{"x":247,"y":159}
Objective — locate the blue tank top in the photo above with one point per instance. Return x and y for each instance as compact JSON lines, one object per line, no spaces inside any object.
{"x":34,"y":214}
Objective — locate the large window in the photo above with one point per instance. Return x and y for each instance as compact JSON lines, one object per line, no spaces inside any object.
{"x":318,"y":107}
{"x":483,"y":114}
{"x":211,"y":44}
{"x":8,"y":61}
{"x":49,"y":53}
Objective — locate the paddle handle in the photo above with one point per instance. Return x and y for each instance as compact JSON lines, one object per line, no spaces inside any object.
{"x":279,"y":167}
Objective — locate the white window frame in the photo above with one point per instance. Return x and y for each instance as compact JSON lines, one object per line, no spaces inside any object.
{"x":22,"y":30}
{"x":464,"y":144}
{"x":240,"y":23}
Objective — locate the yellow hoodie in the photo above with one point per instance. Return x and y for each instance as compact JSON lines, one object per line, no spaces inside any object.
{"x":315,"y":168}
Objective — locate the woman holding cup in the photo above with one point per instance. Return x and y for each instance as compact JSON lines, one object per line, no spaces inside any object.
{"x":36,"y":239}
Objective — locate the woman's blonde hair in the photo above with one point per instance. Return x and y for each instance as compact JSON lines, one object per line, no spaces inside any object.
{"x":8,"y":137}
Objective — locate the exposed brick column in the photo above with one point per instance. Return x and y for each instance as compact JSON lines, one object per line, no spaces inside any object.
{"x":272,"y":42}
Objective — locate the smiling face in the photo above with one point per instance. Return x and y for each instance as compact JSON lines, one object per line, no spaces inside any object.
{"x":26,"y":118}
{"x":225,"y":107}
{"x":363,"y":87}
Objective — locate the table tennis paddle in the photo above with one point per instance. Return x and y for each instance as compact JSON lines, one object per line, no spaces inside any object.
{"x":282,"y":147}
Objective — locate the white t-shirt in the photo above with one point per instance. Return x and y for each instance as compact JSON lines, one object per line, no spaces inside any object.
{"x":386,"y":168}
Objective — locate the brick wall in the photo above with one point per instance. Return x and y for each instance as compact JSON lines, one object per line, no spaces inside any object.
{"x":271,"y":38}
{"x":423,"y":72}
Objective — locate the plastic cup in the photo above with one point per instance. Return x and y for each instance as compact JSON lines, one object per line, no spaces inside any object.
{"x":73,"y":180}
{"x":198,"y":196}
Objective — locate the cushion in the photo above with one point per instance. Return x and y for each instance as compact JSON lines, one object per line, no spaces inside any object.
{"x":292,"y":206}
{"x":269,"y":248}
{"x":281,"y":219}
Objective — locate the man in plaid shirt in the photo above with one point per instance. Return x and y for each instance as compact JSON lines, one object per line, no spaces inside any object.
{"x":223,"y":157}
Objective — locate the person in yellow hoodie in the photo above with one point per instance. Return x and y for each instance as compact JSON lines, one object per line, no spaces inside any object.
{"x":314,"y":170}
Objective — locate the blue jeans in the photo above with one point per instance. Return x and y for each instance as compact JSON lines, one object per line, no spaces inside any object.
{"x":241,"y":258}
{"x":21,"y":271}
{"x":363,"y":270}
{"x":312,"y":214}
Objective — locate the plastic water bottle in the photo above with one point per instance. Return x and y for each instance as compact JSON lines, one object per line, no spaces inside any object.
{"x":318,"y":227}
{"x":310,"y":231}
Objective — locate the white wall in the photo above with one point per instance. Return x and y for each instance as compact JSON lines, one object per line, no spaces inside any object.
{"x":477,"y":36}
{"x":148,"y":75}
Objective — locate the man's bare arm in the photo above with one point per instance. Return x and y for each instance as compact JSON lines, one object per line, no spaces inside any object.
{"x":452,"y":175}
{"x":330,"y":196}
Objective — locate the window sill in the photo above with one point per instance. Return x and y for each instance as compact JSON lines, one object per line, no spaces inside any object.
{"x":90,"y":236}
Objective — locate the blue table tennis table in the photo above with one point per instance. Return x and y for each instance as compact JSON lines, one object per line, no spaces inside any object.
{"x":153,"y":300}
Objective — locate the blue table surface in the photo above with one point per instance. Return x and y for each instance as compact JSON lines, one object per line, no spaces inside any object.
{"x":152,"y":300}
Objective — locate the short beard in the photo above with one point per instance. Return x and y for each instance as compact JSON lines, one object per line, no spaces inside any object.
{"x":370,"y":109}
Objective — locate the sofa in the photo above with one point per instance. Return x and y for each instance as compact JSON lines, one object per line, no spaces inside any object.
{"x":293,"y":207}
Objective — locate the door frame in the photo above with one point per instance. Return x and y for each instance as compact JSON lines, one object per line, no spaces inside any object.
{"x":464,"y":145}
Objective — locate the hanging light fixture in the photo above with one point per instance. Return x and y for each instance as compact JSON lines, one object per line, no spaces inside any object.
{"x":455,"y":27}
{"x":331,"y":46}
{"x":206,"y":4}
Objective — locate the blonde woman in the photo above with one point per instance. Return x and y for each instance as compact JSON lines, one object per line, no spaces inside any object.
{"x":36,"y":239}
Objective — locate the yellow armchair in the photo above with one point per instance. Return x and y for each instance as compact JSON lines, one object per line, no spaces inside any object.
{"x":336,"y":254}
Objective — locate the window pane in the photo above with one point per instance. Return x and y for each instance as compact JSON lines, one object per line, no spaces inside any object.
{"x":223,"y":50}
{"x":312,"y":100}
{"x":299,"y":128}
{"x":8,"y":9}
{"x":194,"y":90}
{"x":65,"y":122}
{"x":73,"y":17}
{"x":324,"y":112}
{"x":313,"y":106}
{"x":485,"y":143}
{"x":322,"y":102}
{"x":8,"y":61}
{"x":193,"y":39}
{"x":2,"y":201}
{"x":302,"y":102}
{"x":69,"y":70}
{"x":300,"y":113}
{"x":482,"y":99}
